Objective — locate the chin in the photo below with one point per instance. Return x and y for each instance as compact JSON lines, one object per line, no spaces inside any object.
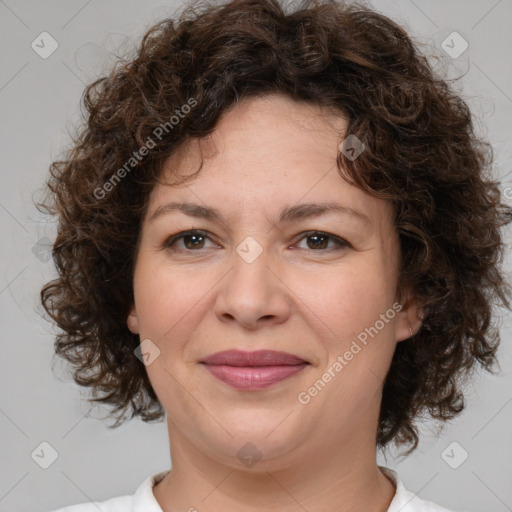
{"x":257,"y":450}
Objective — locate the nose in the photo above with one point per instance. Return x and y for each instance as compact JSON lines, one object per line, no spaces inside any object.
{"x":253,"y":294}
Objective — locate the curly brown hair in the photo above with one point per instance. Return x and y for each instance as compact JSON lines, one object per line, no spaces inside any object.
{"x":421,"y":154}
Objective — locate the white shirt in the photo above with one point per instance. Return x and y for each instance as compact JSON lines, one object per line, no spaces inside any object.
{"x":143,"y":500}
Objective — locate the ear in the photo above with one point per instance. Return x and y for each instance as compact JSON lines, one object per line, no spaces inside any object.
{"x":132,"y":321}
{"x":409,"y":318}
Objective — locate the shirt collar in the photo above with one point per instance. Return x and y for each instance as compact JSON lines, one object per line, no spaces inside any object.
{"x":144,"y":500}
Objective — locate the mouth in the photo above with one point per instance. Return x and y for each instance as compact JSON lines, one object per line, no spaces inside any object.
{"x":253,"y":370}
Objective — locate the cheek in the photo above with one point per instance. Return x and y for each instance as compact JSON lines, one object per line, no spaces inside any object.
{"x":346,"y":300}
{"x":169,"y":305}
{"x":166,"y":298}
{"x":362,"y":316}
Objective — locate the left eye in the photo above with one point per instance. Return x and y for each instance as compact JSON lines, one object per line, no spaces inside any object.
{"x":321,"y":240}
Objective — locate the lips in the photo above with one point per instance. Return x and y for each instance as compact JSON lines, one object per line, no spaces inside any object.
{"x":257,"y":358}
{"x":251,"y":371}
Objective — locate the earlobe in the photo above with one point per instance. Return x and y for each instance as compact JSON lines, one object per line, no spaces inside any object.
{"x":409,"y":320}
{"x":132,"y":321}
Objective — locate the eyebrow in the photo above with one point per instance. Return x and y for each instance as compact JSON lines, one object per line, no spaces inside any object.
{"x":287,"y":214}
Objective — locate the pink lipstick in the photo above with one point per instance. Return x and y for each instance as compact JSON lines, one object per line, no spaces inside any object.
{"x":253,"y":370}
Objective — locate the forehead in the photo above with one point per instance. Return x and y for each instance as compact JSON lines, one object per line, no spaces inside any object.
{"x":263,"y":154}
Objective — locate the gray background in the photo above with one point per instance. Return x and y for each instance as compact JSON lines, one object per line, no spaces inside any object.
{"x":39,"y":102}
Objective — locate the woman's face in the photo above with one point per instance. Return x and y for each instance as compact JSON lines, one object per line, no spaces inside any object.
{"x":251,"y":281}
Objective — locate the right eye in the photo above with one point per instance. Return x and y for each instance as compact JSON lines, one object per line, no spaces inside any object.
{"x":192,"y":240}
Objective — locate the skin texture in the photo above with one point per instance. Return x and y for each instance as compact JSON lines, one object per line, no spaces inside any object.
{"x":265,"y":154}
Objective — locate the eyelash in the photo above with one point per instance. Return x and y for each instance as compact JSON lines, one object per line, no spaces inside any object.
{"x":169,"y":242}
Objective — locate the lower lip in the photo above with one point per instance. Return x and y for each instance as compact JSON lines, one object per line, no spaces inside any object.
{"x":253,"y":377}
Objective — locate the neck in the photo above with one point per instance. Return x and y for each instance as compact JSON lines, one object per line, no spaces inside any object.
{"x":342,"y":478}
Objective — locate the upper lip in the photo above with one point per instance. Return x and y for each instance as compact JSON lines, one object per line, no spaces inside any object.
{"x":256,"y":358}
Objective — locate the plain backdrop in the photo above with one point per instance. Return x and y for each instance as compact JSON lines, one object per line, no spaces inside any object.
{"x":468,"y":467}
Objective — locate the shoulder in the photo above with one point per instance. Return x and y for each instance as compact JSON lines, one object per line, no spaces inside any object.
{"x":406,"y":501}
{"x":143,"y":500}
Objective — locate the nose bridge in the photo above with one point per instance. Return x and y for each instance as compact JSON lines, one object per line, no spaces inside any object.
{"x":251,"y":290}
{"x":250,"y":275}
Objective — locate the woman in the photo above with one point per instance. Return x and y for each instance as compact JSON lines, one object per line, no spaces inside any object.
{"x":278,"y":231}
